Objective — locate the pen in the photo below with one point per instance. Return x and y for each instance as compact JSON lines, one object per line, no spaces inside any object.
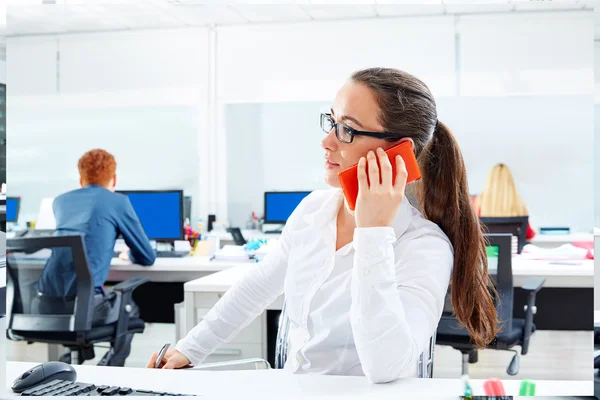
{"x":161,"y":354}
{"x":564,"y":263}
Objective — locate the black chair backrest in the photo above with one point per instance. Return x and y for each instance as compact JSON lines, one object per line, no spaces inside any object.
{"x":238,"y":238}
{"x":500,"y":272}
{"x":26,"y":259}
{"x":502,"y":275}
{"x":516,"y":226}
{"x":2,"y":272}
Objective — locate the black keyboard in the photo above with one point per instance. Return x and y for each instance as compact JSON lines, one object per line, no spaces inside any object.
{"x":172,"y":254}
{"x":59,"y":387}
{"x":162,"y":254}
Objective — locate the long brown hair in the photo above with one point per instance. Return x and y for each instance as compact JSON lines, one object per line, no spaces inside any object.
{"x":408,"y":107}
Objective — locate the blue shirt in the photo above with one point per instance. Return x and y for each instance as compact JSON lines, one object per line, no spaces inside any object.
{"x":100,"y":216}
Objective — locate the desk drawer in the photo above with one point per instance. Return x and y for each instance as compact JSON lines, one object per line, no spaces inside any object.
{"x":235,"y":351}
{"x":253,"y":333}
{"x":207,"y":300}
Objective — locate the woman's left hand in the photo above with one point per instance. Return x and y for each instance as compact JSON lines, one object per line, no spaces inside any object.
{"x":379,"y":198}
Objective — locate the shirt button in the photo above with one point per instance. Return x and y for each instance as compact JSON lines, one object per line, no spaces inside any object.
{"x":366,"y":272}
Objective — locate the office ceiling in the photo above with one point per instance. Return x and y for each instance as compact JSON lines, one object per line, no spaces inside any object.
{"x":27,"y":17}
{"x":42,"y":17}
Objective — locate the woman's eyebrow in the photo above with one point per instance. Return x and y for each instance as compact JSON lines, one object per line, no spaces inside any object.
{"x":345,"y":117}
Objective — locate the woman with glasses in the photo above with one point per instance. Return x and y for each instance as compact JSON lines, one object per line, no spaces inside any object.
{"x":365,"y":289}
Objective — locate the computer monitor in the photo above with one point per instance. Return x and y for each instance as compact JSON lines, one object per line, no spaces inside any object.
{"x":159,"y":211}
{"x":12,"y":208}
{"x":280,"y":205}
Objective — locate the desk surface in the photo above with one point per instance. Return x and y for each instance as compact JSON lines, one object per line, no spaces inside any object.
{"x":223,"y":280}
{"x":237,"y":384}
{"x":247,"y":234}
{"x":189,"y":263}
{"x":570,"y":238}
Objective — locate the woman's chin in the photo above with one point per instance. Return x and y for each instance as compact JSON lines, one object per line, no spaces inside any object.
{"x":332,"y":180}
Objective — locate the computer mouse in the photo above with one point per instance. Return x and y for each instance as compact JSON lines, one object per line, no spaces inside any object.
{"x":43,"y":373}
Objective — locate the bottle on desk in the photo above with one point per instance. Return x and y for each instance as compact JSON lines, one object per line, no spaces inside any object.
{"x":252,"y":223}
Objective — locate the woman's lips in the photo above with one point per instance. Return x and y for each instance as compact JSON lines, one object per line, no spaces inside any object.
{"x":331,"y":165}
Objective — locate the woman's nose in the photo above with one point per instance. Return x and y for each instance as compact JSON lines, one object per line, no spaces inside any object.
{"x":329,"y":142}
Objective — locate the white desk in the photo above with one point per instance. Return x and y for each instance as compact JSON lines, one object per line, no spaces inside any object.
{"x":549,"y":241}
{"x":247,"y":234}
{"x":181,"y":269}
{"x":200,"y":295}
{"x":270,"y":383}
{"x":2,"y":277}
{"x":557,"y":275}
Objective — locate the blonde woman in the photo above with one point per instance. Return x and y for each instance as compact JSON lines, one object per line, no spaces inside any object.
{"x":500,"y":197}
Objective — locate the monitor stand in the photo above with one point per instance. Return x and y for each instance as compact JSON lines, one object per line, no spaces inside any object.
{"x":278,"y":229}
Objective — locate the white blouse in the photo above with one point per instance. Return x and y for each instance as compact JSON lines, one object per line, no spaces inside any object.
{"x":367,"y":309}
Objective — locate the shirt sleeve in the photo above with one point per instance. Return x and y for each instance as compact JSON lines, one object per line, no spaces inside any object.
{"x":241,"y":304}
{"x":397,"y":298}
{"x":140,"y":251}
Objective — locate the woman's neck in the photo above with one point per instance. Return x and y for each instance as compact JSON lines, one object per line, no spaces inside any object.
{"x":346,"y":216}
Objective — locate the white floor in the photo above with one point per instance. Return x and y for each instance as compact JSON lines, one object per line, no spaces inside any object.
{"x":554,"y":355}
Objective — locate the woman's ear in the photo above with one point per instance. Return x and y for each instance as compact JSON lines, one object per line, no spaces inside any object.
{"x":392,"y":144}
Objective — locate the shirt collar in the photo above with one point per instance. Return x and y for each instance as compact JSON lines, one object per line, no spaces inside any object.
{"x":327,"y":212}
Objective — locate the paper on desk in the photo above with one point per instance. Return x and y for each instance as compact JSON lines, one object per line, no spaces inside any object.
{"x":564,"y":252}
{"x":264,"y":249}
{"x":232,"y":253}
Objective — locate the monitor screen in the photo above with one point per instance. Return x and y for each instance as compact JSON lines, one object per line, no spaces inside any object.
{"x":12,"y":209}
{"x":280,"y":205}
{"x":160,"y":212}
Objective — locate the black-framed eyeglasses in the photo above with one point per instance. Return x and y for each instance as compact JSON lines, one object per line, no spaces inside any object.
{"x":345,"y":133}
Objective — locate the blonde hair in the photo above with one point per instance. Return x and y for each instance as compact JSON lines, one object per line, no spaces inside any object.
{"x":500,"y":197}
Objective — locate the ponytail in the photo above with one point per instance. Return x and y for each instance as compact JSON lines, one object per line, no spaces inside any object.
{"x":444,"y":198}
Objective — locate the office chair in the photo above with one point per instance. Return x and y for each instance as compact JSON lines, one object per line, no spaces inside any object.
{"x":238,"y":238}
{"x":517,"y":226}
{"x":27,"y":258}
{"x":514,"y":331}
{"x":425,"y":366}
{"x":2,"y":270}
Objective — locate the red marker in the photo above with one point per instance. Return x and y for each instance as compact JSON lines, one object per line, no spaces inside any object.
{"x":493,"y":387}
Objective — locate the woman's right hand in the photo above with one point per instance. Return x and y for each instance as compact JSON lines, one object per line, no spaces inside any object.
{"x":172,"y":359}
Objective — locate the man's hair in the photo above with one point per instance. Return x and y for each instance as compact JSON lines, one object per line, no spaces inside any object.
{"x":97,"y":167}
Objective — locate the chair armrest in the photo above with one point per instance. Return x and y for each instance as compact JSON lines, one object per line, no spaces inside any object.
{"x":246,"y":364}
{"x":129,"y":285}
{"x":533,"y":284}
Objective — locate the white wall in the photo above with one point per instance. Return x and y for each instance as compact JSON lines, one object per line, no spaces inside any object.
{"x":138,"y":72}
{"x":140,"y":95}
{"x":497,"y":55}
{"x":526,"y":54}
{"x":597,"y":132}
{"x":540,"y":138}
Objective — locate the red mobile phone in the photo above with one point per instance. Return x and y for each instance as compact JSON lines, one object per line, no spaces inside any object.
{"x":349,"y":180}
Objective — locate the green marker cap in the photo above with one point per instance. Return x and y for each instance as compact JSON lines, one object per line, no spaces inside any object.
{"x":527,"y":388}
